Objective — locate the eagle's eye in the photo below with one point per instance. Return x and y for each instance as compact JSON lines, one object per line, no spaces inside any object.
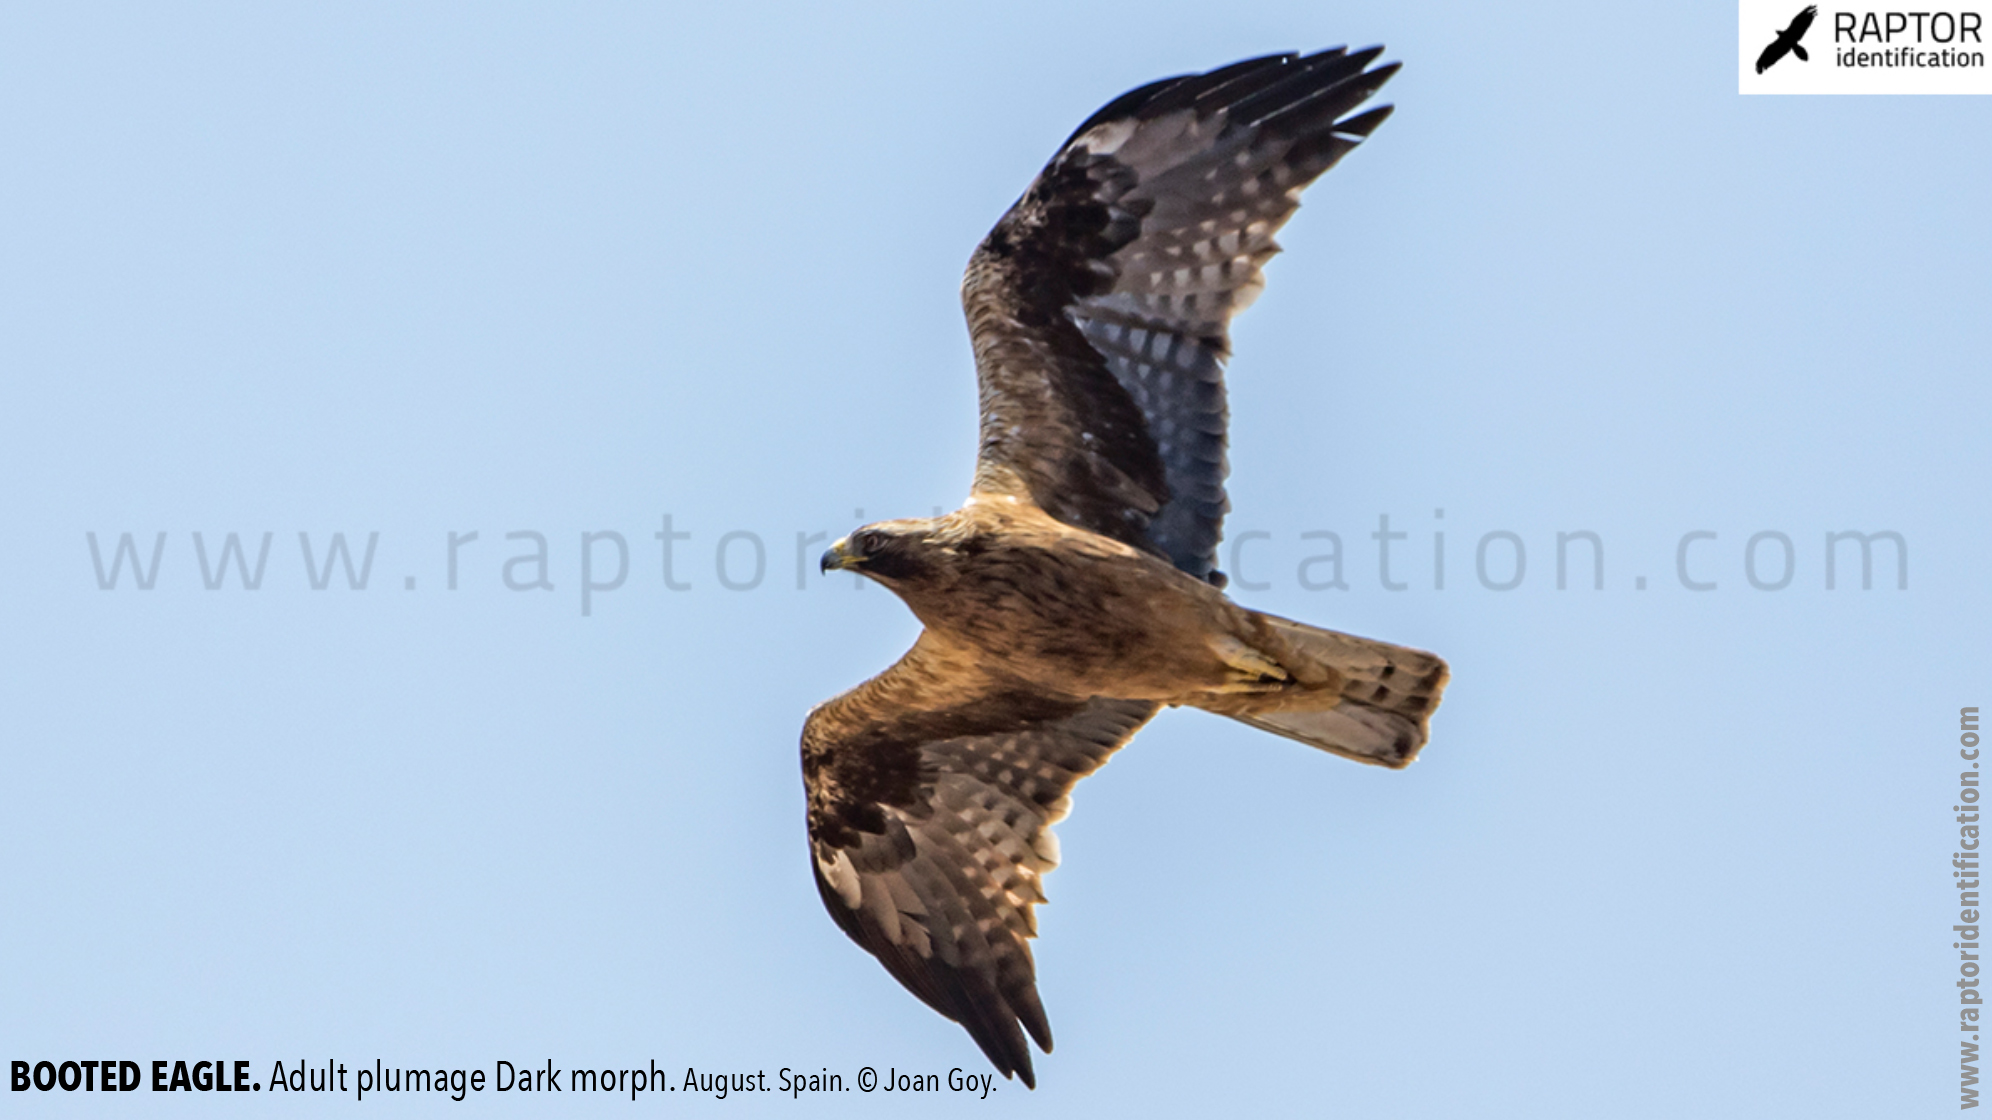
{"x":868,"y":542}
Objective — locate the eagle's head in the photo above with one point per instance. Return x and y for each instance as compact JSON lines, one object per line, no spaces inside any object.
{"x":891,"y":552}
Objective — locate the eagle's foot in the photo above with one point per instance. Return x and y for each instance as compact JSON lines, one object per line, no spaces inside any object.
{"x":1251,"y":671}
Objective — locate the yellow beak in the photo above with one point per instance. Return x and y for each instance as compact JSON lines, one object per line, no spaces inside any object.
{"x":839,"y":557}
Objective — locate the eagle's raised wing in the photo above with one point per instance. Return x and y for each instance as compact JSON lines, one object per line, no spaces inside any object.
{"x":1099,"y":305}
{"x":1801,"y":23}
{"x":932,"y":791}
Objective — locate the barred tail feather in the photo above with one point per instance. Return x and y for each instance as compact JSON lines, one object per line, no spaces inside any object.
{"x":1375,"y":708}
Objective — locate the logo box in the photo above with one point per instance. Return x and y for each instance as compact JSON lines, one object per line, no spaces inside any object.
{"x":1788,"y":47}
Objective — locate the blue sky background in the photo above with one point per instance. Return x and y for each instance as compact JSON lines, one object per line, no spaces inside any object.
{"x":417,"y":270}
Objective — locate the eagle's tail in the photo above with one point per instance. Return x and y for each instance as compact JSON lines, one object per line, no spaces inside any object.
{"x":1373,"y":704}
{"x":1800,"y":52}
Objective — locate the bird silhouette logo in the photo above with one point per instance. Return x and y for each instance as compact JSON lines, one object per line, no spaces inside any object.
{"x":1787,"y":40}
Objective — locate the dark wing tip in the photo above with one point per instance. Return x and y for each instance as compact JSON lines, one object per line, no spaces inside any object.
{"x":1310,"y":78}
{"x":1383,"y":74}
{"x":1169,"y":94}
{"x":1225,"y":81}
{"x":971,"y":1000}
{"x":1361,"y":125}
{"x":1269,"y":82}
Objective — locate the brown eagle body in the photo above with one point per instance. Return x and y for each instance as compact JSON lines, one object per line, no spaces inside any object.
{"x":1075,"y":593}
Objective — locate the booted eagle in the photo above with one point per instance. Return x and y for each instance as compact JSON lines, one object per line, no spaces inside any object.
{"x":1074,"y":594}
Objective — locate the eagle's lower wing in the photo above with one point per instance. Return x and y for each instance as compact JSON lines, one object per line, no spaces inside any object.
{"x":932,"y":791}
{"x":1100,"y":304}
{"x":1779,"y":46}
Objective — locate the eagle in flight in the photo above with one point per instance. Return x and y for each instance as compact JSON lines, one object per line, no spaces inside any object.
{"x":1075,"y":593}
{"x":1787,"y":41}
